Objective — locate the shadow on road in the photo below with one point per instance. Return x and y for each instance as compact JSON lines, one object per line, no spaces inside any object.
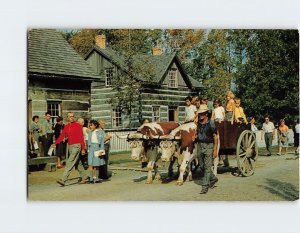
{"x":282,"y":189}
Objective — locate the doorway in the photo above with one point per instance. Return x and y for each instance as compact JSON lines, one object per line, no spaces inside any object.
{"x":173,"y":113}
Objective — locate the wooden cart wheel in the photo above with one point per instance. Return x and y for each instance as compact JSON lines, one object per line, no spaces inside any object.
{"x":246,"y":153}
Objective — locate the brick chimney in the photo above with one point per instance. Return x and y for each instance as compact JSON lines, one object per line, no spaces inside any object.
{"x":156,"y":51}
{"x":100,"y":41}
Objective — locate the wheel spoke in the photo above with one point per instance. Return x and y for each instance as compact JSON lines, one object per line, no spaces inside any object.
{"x":249,"y":140}
{"x":242,"y":154}
{"x":251,"y":145}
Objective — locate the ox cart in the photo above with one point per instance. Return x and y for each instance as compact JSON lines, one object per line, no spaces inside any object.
{"x":238,"y":139}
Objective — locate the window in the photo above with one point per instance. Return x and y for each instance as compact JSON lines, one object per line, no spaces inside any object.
{"x":54,"y":109}
{"x":173,"y":78}
{"x":155,"y":114}
{"x":109,"y":73}
{"x":116,"y":117}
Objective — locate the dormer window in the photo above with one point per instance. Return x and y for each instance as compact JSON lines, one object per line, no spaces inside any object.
{"x":172,"y":75}
{"x":109,"y":73}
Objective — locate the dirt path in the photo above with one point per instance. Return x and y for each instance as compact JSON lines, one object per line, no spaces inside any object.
{"x":275,"y":179}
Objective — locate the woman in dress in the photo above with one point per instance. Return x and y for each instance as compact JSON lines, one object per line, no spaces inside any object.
{"x":96,"y":151}
{"x":59,"y":126}
{"x":283,"y":131}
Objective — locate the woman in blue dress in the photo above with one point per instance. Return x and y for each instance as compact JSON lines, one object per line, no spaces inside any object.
{"x":96,"y":151}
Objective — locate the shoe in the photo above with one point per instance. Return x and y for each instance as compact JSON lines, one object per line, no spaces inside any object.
{"x":60,"y":166}
{"x":83,"y":181}
{"x":278,"y":154}
{"x":204,"y":190}
{"x":212,"y":183}
{"x":268,"y":154}
{"x":62,"y":183}
{"x":98,"y":181}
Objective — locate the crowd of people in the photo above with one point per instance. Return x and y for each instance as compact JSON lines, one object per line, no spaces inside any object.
{"x":90,"y":139}
{"x":79,"y":140}
{"x":233,"y":112}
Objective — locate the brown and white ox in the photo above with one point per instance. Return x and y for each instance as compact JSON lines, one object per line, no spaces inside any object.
{"x":144,"y":145}
{"x":180,"y":143}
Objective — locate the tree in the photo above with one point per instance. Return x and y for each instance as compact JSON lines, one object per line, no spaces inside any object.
{"x":267,"y":72}
{"x":214,"y":64}
{"x":127,"y":83}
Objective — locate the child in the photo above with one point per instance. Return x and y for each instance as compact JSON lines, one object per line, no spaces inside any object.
{"x":229,"y":105}
{"x":190,"y":110}
{"x":238,"y":113}
{"x":95,"y":145}
{"x":218,"y":113}
{"x":283,"y":132}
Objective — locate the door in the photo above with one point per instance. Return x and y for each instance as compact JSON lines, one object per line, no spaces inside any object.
{"x":173,"y":113}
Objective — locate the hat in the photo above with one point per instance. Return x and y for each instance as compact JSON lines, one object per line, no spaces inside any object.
{"x":203,"y":108}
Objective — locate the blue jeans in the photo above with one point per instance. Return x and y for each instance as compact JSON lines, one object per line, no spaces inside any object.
{"x":205,"y":154}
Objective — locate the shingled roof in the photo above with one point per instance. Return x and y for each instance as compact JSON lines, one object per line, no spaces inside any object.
{"x":50,"y":53}
{"x":159,"y":63}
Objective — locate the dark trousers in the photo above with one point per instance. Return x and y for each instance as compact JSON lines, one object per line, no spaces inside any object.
{"x":205,"y":155}
{"x":103,"y":170}
{"x":268,"y":140}
{"x":47,"y":141}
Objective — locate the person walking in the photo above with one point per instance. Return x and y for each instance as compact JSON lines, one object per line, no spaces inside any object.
{"x":283,"y":142}
{"x":73,"y":133}
{"x":96,"y":152}
{"x":47,"y":133}
{"x":268,"y":134}
{"x":103,"y":174}
{"x":296,"y":137}
{"x":207,"y":137}
{"x":60,"y":147}
{"x":35,"y":131}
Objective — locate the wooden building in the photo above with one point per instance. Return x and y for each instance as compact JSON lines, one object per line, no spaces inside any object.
{"x":59,"y":80}
{"x":162,"y":99}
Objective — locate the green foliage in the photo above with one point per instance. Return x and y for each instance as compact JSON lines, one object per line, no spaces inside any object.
{"x":214,"y":64}
{"x":267,"y":73}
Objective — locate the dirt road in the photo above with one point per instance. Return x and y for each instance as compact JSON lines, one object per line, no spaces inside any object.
{"x":276,"y":179}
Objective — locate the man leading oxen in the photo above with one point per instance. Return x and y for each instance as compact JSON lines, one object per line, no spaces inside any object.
{"x":181,"y":143}
{"x":144,"y":144}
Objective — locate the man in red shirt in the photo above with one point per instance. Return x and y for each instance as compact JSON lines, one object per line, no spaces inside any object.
{"x":73,"y":133}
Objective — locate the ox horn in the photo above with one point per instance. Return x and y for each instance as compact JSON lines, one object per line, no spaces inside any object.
{"x":124,"y":136}
{"x":138,"y":136}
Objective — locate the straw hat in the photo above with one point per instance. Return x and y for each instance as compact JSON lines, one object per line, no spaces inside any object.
{"x":203,"y":108}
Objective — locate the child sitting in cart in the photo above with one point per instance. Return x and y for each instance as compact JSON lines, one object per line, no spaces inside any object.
{"x":218,"y":113}
{"x":229,"y":105}
{"x":190,"y":110}
{"x":238,"y":112}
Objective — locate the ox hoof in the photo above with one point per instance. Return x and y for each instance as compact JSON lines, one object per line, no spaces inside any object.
{"x":149,"y":181}
{"x":179,"y":183}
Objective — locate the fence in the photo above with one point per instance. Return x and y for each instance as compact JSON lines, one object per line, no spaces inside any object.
{"x":118,"y":144}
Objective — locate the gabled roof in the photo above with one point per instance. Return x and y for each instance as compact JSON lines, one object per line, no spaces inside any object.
{"x":160,"y":63}
{"x":50,"y":53}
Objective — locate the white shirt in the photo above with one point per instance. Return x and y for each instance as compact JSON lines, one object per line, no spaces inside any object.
{"x":253,"y":128}
{"x":297,"y":128}
{"x":85,"y":134}
{"x":219,"y":112}
{"x":94,"y":138}
{"x":268,"y":128}
{"x":190,"y":112}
